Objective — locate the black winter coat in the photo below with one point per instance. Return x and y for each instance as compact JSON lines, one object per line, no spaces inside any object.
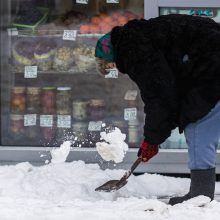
{"x":175,"y":61}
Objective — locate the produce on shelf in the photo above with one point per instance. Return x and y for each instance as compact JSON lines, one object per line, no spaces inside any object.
{"x":44,"y":54}
{"x":23,"y":52}
{"x":63,"y":59}
{"x":103,"y":23}
{"x":84,"y":57}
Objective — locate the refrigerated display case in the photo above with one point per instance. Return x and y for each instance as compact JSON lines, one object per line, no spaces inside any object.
{"x":51,"y":91}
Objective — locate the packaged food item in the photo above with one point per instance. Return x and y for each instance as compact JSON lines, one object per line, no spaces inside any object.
{"x":33,"y":99}
{"x":18,"y":100}
{"x":80,"y":133}
{"x":44,"y":54}
{"x":79,"y":110}
{"x":84,"y":57}
{"x":23,"y":54}
{"x":133,"y":137}
{"x":32,"y":131}
{"x":48,"y":100}
{"x":63,"y":59}
{"x":17,"y":126}
{"x":48,"y":128}
{"x":63,"y":100}
{"x":97,"y":109}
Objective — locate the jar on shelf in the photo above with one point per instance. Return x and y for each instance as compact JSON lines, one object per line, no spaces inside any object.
{"x":32,"y":131}
{"x":63,"y":100}
{"x":33,"y":99}
{"x":47,"y":128}
{"x":80,"y":133}
{"x":48,"y":100}
{"x":96,"y":109}
{"x":18,"y":100}
{"x":133,"y":134}
{"x":17,"y":126}
{"x":79,"y":110}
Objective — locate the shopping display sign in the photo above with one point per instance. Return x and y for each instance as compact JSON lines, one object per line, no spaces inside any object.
{"x":30,"y":119}
{"x":12,"y":31}
{"x":30,"y":72}
{"x":82,"y":1}
{"x":64,"y":121}
{"x":46,"y":121}
{"x":113,"y":73}
{"x":95,"y":126}
{"x":131,"y":95}
{"x":130,"y":114}
{"x":112,"y":1}
{"x":69,"y":35}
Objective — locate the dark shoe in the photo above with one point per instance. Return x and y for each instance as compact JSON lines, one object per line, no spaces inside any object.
{"x":202,"y":183}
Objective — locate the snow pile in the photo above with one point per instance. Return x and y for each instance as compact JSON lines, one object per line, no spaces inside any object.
{"x":113,"y":147}
{"x":67,"y":191}
{"x":60,"y":154}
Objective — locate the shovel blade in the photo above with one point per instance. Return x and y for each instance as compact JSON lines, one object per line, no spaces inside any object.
{"x":112,"y":185}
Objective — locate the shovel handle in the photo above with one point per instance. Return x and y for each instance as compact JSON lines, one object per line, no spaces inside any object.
{"x":135,"y":164}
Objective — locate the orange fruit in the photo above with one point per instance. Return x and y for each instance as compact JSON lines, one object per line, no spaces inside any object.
{"x":84,"y":29}
{"x":95,"y":20}
{"x":94,"y":29}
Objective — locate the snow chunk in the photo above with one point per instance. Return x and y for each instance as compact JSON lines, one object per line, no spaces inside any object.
{"x":60,"y":154}
{"x":113,"y":147}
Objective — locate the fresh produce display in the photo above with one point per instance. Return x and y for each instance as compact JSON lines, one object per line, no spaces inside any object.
{"x":84,"y":57}
{"x":44,"y":54}
{"x":103,"y":23}
{"x":23,"y":52}
{"x":63,"y":59}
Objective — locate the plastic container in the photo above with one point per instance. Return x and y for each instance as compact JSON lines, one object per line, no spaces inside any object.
{"x":97,"y":109}
{"x":79,"y":110}
{"x":133,"y":134}
{"x":48,"y":100}
{"x":18,"y":100}
{"x":63,"y":100}
{"x":33,"y":99}
{"x":17,"y":126}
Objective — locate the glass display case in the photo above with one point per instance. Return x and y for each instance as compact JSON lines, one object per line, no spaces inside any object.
{"x":51,"y":91}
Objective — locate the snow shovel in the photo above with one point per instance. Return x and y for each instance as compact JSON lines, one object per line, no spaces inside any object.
{"x":114,"y":185}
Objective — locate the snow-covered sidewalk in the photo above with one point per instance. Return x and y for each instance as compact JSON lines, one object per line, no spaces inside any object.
{"x":66,"y":191}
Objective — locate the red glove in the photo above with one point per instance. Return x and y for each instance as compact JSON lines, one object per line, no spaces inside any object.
{"x":147,"y":151}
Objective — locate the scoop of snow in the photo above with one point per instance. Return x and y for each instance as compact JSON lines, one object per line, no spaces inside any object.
{"x":60,"y":154}
{"x":113,"y":147}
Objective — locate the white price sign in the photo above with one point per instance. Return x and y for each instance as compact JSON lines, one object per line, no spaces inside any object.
{"x":30,"y":120}
{"x":130,"y":114}
{"x":30,"y":72}
{"x":131,"y":95}
{"x":46,"y":121}
{"x":64,"y":121}
{"x":12,"y":31}
{"x":113,"y":73}
{"x":95,"y":126}
{"x":112,"y":1}
{"x":82,"y":1}
{"x":69,"y":35}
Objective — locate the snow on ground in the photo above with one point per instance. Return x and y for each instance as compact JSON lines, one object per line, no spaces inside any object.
{"x":64,"y":191}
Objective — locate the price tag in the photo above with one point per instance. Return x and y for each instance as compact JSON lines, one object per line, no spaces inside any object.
{"x":112,"y":1}
{"x":95,"y":126}
{"x":82,"y":1}
{"x":130,"y":114}
{"x":12,"y":31}
{"x":69,"y":35}
{"x":64,"y":121}
{"x":131,"y":95}
{"x":46,"y":121}
{"x":30,"y":72}
{"x":30,"y":120}
{"x":113,"y":73}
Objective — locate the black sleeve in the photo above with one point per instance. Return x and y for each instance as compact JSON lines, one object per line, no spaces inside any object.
{"x":158,"y":90}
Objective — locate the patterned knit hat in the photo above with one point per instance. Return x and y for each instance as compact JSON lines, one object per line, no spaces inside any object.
{"x":104,"y":49}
